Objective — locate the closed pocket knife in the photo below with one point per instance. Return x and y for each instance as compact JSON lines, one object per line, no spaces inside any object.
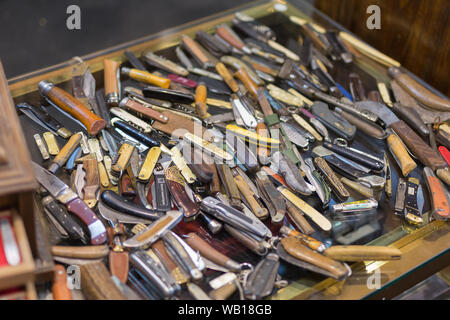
{"x":261,"y":281}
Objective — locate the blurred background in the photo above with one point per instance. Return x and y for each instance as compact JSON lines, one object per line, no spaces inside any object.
{"x":34,"y":33}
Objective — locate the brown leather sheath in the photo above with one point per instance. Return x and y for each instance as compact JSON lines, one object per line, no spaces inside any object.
{"x":418,"y":147}
{"x":118,"y":258}
{"x":295,"y":248}
{"x":175,"y":182}
{"x":177,"y":125}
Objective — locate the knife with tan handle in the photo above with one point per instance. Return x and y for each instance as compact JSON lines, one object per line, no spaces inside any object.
{"x":362,"y":253}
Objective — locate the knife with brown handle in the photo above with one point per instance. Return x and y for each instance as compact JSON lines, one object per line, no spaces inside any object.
{"x":362,"y":253}
{"x":93,"y":123}
{"x":418,"y":91}
{"x":64,"y":154}
{"x":207,"y":251}
{"x":60,"y":289}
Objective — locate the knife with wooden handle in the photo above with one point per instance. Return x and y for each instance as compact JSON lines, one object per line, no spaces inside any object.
{"x":80,"y":252}
{"x":418,"y":91}
{"x":298,"y":219}
{"x":227,"y":77}
{"x":223,"y":292}
{"x":249,"y":195}
{"x":207,"y":251}
{"x":146,"y":77}
{"x":92,"y":185}
{"x":176,"y":182}
{"x":404,"y":160}
{"x":200,"y":101}
{"x":294,"y":247}
{"x":65,"y":152}
{"x":362,"y":253}
{"x":251,"y":86}
{"x":93,"y":123}
{"x":111,"y":73}
{"x":60,"y":289}
{"x":440,"y":207}
{"x":142,"y":110}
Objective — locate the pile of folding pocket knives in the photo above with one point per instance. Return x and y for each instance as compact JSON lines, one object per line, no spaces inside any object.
{"x":233,"y":142}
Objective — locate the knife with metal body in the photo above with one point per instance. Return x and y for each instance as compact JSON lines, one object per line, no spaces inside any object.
{"x":44,"y":119}
{"x":291,"y":174}
{"x":261,"y":281}
{"x":190,"y":67}
{"x":232,"y":217}
{"x":60,"y":191}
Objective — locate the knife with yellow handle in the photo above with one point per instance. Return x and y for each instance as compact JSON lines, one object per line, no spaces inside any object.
{"x":362,"y":253}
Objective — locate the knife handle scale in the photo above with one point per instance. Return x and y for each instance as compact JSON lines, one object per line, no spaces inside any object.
{"x":227,"y":77}
{"x":404,"y":160}
{"x":251,"y":86}
{"x":67,"y":150}
{"x":111,"y":69}
{"x":147,"y":77}
{"x":96,"y":228}
{"x":93,"y":123}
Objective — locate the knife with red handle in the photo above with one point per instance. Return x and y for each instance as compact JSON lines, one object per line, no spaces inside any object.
{"x":62,"y":192}
{"x":440,"y":207}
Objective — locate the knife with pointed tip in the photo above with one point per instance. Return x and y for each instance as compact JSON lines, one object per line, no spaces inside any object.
{"x":60,"y":191}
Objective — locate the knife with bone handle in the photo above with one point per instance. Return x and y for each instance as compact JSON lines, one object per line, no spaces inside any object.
{"x":41,"y":116}
{"x":422,"y":94}
{"x":50,"y":141}
{"x":124,"y":156}
{"x":440,"y":207}
{"x":130,"y":119}
{"x":294,"y":252}
{"x":41,"y":146}
{"x":412,"y":140}
{"x":261,"y":281}
{"x":362,"y":253}
{"x":348,"y":169}
{"x":309,"y":241}
{"x":312,"y":213}
{"x":291,"y":174}
{"x":179,"y":251}
{"x":118,"y":203}
{"x":154,"y":231}
{"x":60,"y":191}
{"x":304,"y":124}
{"x":155,"y":273}
{"x":232,"y":217}
{"x":81,"y":252}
